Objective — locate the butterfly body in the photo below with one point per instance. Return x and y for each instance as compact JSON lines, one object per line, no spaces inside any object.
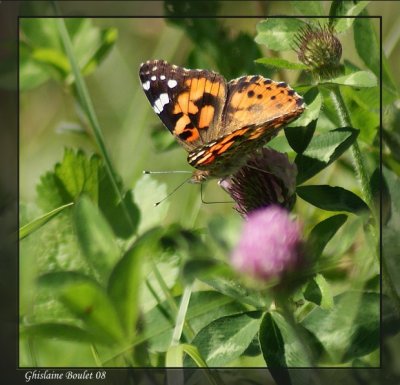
{"x":219,"y":123}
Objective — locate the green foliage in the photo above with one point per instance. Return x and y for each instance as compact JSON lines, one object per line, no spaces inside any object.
{"x":78,"y":175}
{"x":278,"y":34}
{"x":332,"y":198}
{"x":42,"y":54}
{"x":279,"y":343}
{"x":277,"y":63}
{"x":323,"y":150}
{"x":226,"y":338}
{"x":356,"y":79}
{"x":313,"y":100}
{"x":322,"y":233}
{"x":358,"y":315}
{"x":319,"y":292}
{"x":212,"y":38}
{"x":95,"y":238}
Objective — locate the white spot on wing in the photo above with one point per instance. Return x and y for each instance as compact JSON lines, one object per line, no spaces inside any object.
{"x":146,"y":85}
{"x":160,"y":103}
{"x":154,"y":68}
{"x":162,"y":77}
{"x":172,"y":83}
{"x":153,"y":77}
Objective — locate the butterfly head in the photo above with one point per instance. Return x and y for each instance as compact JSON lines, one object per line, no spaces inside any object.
{"x":199,"y":176}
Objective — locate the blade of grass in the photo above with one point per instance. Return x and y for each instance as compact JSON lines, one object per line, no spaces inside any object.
{"x":188,"y":331}
{"x":87,"y":106}
{"x":32,"y":226}
{"x":180,"y":318}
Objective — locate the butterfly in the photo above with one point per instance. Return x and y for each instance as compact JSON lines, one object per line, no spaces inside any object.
{"x":219,"y":123}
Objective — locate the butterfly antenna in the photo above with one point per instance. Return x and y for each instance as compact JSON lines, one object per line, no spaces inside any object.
{"x":167,"y":172}
{"x":173,"y":191}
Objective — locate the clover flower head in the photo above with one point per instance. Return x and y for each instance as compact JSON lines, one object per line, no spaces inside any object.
{"x":270,"y":244}
{"x":267,"y":178}
{"x":320,"y":49}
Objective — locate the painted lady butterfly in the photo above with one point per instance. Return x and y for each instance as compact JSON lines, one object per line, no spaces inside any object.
{"x":219,"y":123}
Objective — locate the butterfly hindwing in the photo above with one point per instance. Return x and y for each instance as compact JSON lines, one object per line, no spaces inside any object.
{"x":255,"y":100}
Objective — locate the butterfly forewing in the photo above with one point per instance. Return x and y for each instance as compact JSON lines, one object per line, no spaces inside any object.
{"x":188,"y":102}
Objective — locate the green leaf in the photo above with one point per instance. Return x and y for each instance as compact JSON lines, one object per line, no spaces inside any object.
{"x":226,"y":338}
{"x":368,"y":49}
{"x":61,"y":331}
{"x":91,"y":45}
{"x":75,"y":175}
{"x":323,"y":150}
{"x":37,"y":223}
{"x":273,"y":349}
{"x":356,"y":79}
{"x":78,"y":174}
{"x":225,"y":231}
{"x":58,"y":281}
{"x":115,"y":210}
{"x":380,"y":188}
{"x":31,"y":73}
{"x":126,"y":279}
{"x":350,"y":329}
{"x":271,"y":342}
{"x":147,"y":192}
{"x":94,"y":308}
{"x":308,"y":8}
{"x":278,"y":34}
{"x":204,"y":308}
{"x":319,"y":292}
{"x":345,"y":8}
{"x":299,"y":137}
{"x":323,"y":232}
{"x":313,"y":100}
{"x":44,"y":57}
{"x":230,"y":286}
{"x":53,"y":58}
{"x":279,"y":343}
{"x":390,"y":232}
{"x":332,"y":198}
{"x":365,"y":113}
{"x":96,"y":238}
{"x":278,"y":63}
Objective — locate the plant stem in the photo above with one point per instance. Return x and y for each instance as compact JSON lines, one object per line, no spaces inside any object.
{"x":359,"y":166}
{"x":87,"y":106}
{"x":358,"y":162}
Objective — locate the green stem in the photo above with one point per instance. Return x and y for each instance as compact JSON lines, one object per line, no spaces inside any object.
{"x":362,"y":175}
{"x":359,"y":166}
{"x":87,"y":106}
{"x":95,"y":355}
